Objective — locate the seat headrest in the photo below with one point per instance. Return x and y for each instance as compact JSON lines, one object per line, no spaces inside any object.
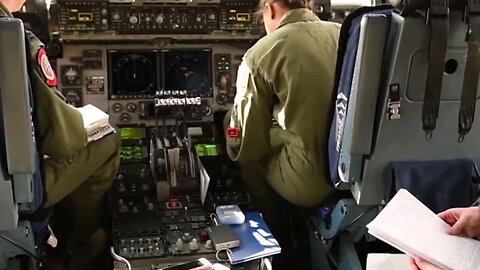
{"x":408,"y":6}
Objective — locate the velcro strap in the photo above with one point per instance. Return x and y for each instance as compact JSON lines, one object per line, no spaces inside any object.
{"x":439,"y":28}
{"x":466,"y":113}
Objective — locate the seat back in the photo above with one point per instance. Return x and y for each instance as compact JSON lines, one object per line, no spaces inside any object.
{"x":377,"y":142}
{"x":21,"y":188}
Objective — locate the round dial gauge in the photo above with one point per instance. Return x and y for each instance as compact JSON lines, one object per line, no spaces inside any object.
{"x":71,"y":75}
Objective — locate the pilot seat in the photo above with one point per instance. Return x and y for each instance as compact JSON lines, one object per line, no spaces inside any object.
{"x":23,"y":223}
{"x":403,"y":115}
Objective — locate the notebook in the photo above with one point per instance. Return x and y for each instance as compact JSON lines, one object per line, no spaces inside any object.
{"x":379,"y":261}
{"x":256,"y":240}
{"x":95,"y":122}
{"x":408,"y":225}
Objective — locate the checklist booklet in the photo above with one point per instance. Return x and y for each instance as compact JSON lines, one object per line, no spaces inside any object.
{"x":408,"y":225}
{"x":256,"y":240}
{"x":96,"y":122}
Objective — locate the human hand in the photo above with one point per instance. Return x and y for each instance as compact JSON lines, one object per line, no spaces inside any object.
{"x":419,"y":264}
{"x":463,"y":221}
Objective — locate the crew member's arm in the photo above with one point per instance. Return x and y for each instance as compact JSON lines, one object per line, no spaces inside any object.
{"x":248,"y":130}
{"x":60,"y":125}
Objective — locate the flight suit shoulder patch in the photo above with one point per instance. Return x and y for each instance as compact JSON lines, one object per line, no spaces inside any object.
{"x":46,"y":68}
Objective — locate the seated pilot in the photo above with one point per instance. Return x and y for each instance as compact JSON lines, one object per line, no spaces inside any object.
{"x":287,"y":76}
{"x":316,"y":6}
{"x":75,"y":172}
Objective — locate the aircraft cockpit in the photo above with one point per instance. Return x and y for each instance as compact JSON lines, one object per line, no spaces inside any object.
{"x":164,"y":77}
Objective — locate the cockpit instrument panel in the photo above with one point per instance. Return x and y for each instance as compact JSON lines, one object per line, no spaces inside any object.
{"x":163,"y":19}
{"x":133,"y":74}
{"x":132,"y":133}
{"x":83,"y":16}
{"x":188,"y":71}
{"x":237,"y":15}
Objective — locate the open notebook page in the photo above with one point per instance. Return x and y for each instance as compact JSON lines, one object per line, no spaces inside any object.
{"x":411,"y":227}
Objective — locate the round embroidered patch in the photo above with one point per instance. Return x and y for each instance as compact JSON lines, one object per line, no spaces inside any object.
{"x":50,"y":78}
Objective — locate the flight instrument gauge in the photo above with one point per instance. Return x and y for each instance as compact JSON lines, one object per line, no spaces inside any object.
{"x":190,"y":71}
{"x":73,"y":96}
{"x":133,"y":74}
{"x":71,"y":75}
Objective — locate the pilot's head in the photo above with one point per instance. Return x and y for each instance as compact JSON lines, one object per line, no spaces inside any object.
{"x":273,"y":11}
{"x":13,"y":5}
{"x":316,"y":6}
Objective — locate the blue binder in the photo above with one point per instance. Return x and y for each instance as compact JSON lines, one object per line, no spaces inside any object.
{"x":256,"y":240}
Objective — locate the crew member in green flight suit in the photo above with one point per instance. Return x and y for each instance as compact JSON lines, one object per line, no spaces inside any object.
{"x":76,"y":173}
{"x":277,"y":128}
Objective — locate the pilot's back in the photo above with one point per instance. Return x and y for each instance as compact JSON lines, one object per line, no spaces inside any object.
{"x":298,"y":62}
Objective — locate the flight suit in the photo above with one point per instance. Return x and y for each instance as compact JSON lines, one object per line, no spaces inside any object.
{"x":76,"y":171}
{"x":286,"y":76}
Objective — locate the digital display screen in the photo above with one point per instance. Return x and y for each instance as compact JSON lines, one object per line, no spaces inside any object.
{"x":235,"y":16}
{"x":133,"y":73}
{"x":188,"y":70}
{"x":238,"y":16}
{"x":85,"y":17}
{"x":132,"y":133}
{"x":207,"y":150}
{"x":132,"y":152}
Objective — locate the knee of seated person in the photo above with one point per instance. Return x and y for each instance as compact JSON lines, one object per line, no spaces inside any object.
{"x":113,"y":142}
{"x":111,"y":148}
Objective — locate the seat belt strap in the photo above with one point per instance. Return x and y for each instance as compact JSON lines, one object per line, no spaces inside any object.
{"x":466,"y":113}
{"x":437,"y":18}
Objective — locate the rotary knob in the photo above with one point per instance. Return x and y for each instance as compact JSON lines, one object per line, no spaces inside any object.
{"x":104,"y":21}
{"x":144,"y":173}
{"x":212,"y":16}
{"x":131,"y":107}
{"x":193,"y":245}
{"x":125,"y":117}
{"x":159,"y":19}
{"x":116,"y":17}
{"x":117,"y":107}
{"x":206,"y":111}
{"x":222,"y":98}
{"x":150,"y":207}
{"x":208,"y":244}
{"x":121,"y":187}
{"x":179,"y":245}
{"x":133,"y":19}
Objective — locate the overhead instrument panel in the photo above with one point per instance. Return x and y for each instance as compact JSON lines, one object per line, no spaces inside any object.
{"x":238,"y":15}
{"x":83,"y":16}
{"x":108,"y":19}
{"x":163,"y":19}
{"x":133,"y":74}
{"x":189,"y":71}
